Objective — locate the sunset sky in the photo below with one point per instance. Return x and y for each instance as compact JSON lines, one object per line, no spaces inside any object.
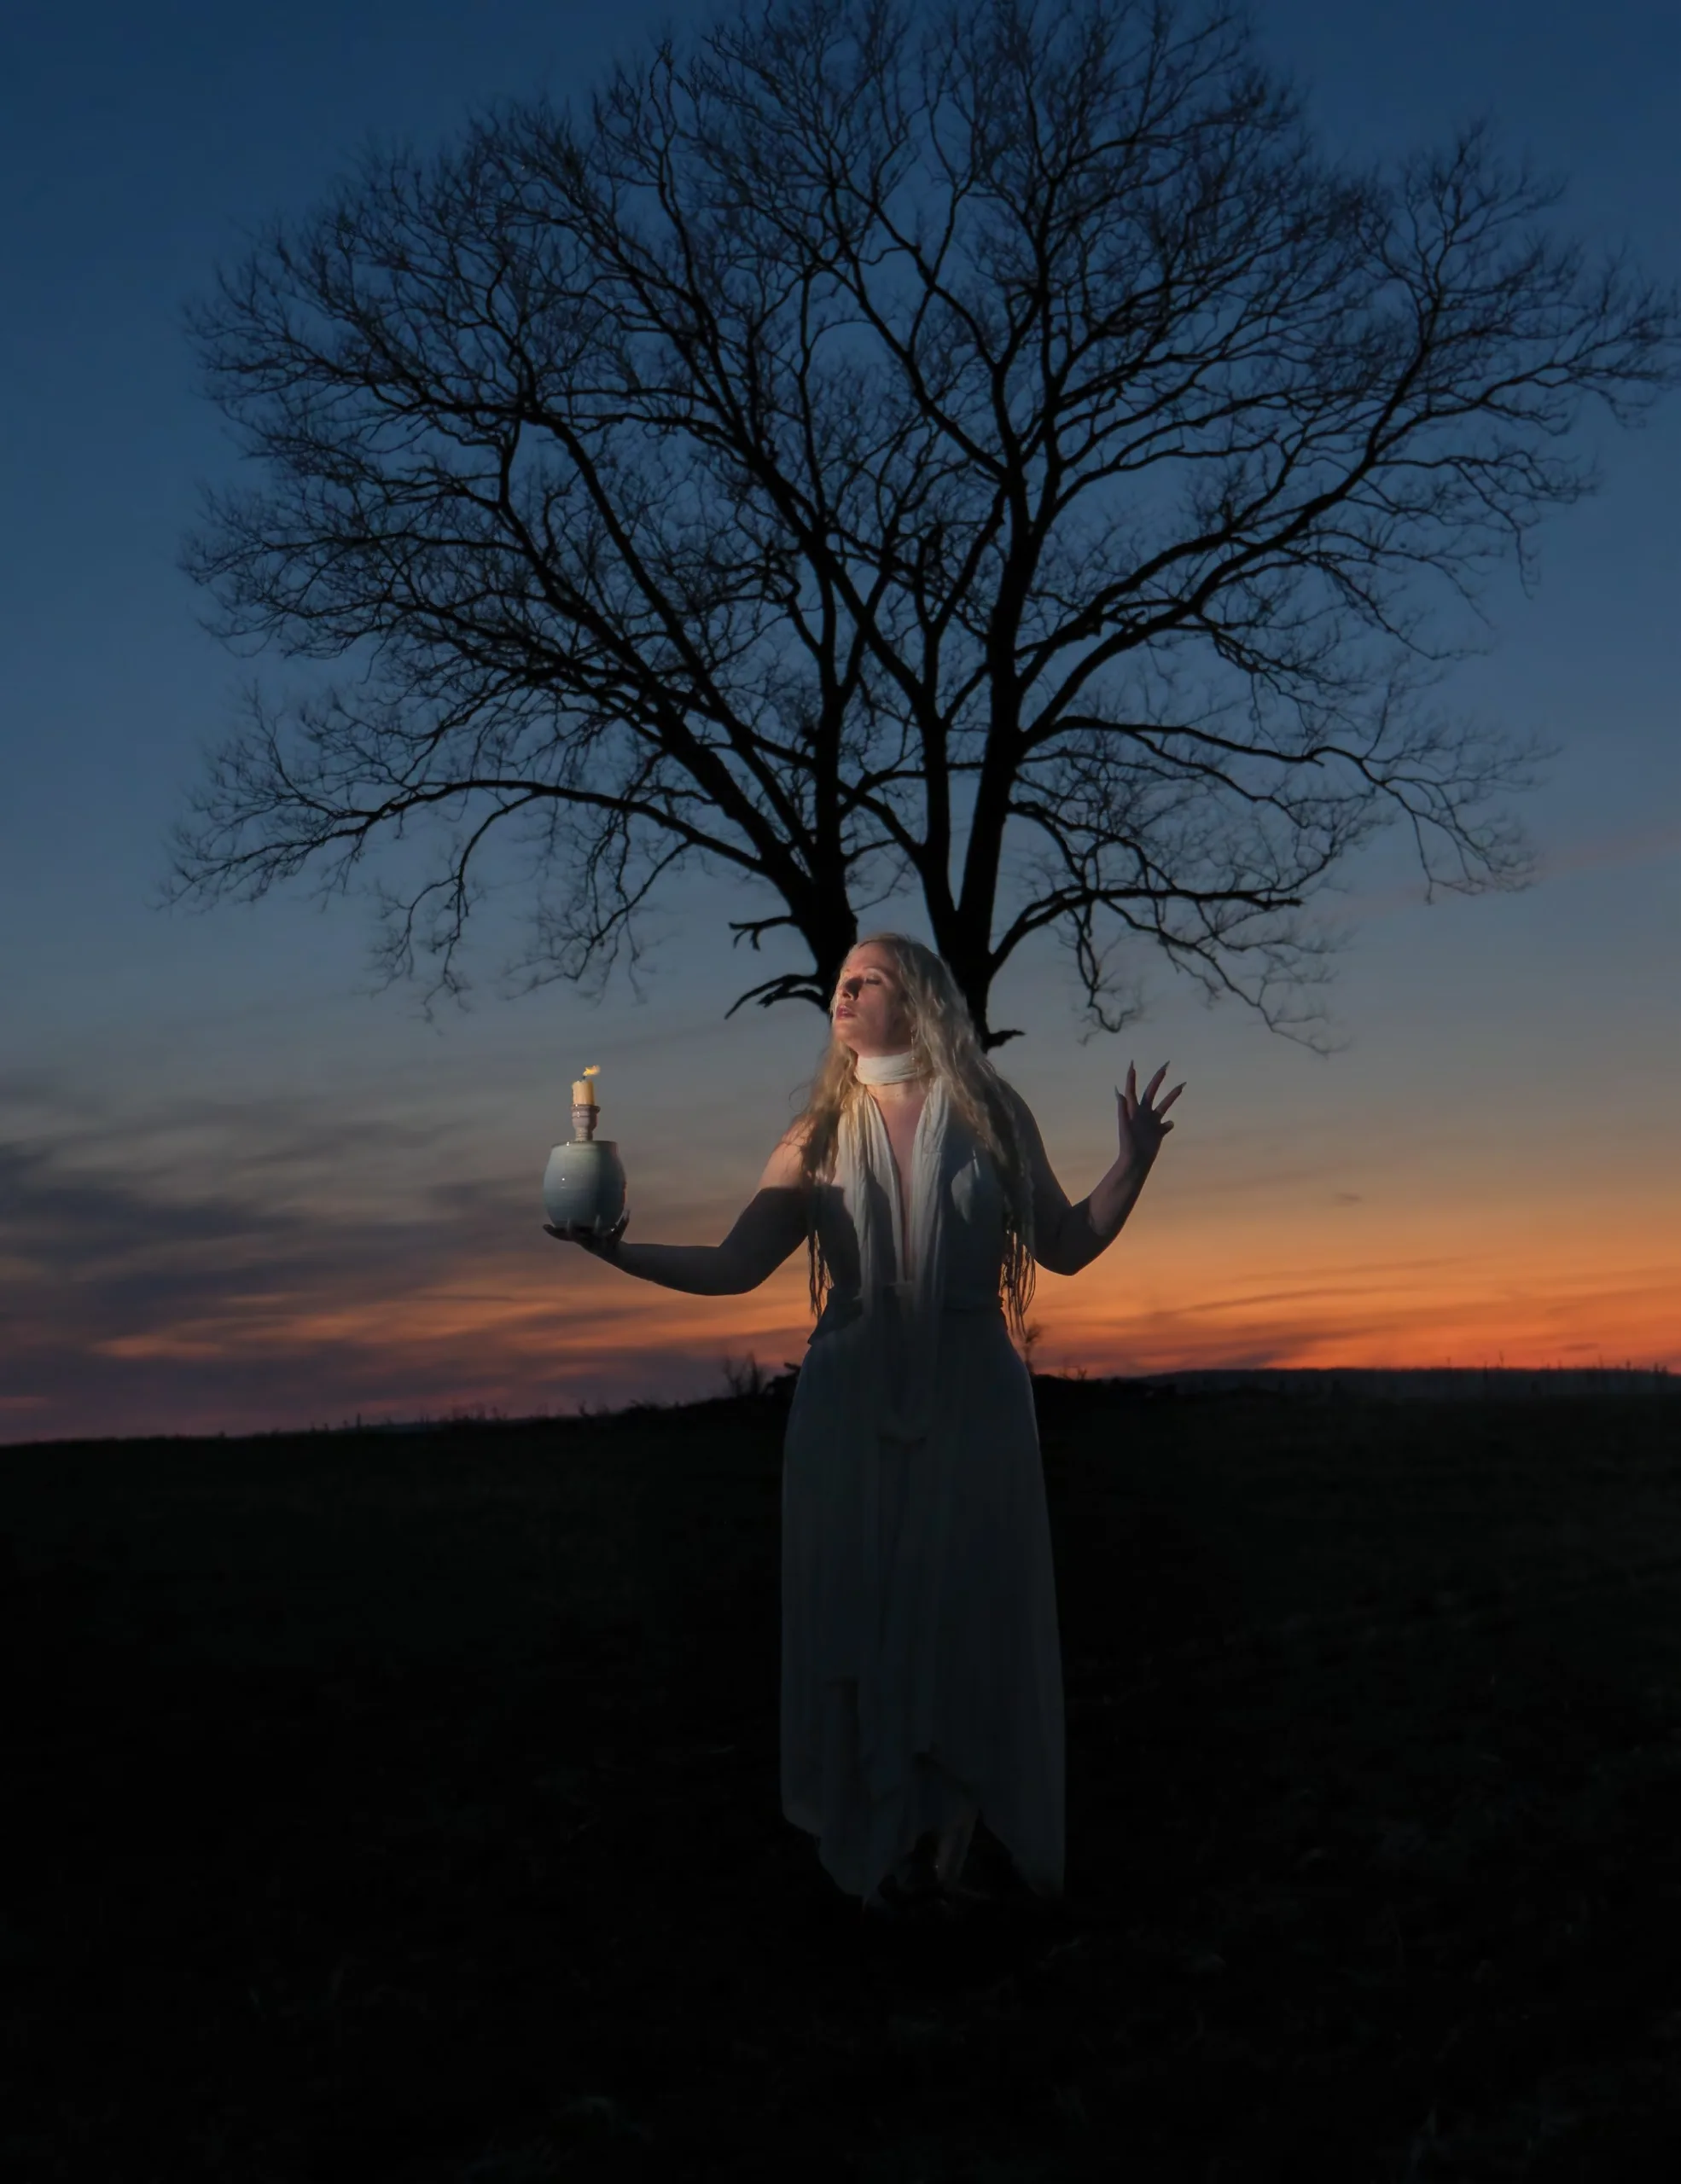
{"x":241,"y":1190}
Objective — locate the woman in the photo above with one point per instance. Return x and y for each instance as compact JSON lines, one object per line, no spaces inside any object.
{"x":921,"y":1673}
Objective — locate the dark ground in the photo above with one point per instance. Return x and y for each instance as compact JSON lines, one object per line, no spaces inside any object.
{"x":404,"y":1810}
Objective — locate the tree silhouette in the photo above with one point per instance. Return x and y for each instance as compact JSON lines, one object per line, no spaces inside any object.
{"x":992,"y":453}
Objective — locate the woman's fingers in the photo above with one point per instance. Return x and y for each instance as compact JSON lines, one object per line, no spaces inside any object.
{"x":1130,"y":1104}
{"x":1130,"y":1095}
{"x":575,"y":1234}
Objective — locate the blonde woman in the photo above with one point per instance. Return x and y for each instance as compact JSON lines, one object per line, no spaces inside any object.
{"x":920,"y":1672}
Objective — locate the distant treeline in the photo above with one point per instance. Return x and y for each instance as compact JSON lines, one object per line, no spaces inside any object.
{"x":1440,"y":1382}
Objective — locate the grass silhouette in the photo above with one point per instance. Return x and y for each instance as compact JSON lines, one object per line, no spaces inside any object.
{"x":404,"y":1807}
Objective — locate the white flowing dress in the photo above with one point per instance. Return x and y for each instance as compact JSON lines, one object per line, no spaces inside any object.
{"x":922,"y":1665}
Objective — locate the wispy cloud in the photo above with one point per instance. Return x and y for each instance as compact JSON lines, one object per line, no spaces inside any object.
{"x":1409,"y":1312}
{"x":234,"y":1265}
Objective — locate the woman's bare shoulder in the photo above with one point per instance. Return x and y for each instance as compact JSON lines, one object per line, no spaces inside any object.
{"x":1018,"y":1105}
{"x":1029,"y":1136}
{"x":784,"y":1169}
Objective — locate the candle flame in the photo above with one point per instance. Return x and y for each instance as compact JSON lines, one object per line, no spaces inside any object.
{"x":592,"y":1069}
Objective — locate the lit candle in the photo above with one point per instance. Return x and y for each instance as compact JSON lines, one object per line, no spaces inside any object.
{"x":582,"y":1092}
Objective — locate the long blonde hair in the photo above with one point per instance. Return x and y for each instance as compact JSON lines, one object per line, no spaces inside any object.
{"x":943,"y":1037}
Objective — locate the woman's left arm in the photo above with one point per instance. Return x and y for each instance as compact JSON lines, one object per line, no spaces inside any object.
{"x":1067,"y":1237}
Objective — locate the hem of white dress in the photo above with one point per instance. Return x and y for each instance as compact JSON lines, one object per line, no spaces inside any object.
{"x":809,"y":1822}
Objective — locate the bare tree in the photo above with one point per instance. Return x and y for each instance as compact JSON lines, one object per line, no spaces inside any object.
{"x":991,"y":453}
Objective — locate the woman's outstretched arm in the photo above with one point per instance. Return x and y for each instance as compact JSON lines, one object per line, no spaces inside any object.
{"x":1067,"y":1237}
{"x":771,"y":1226}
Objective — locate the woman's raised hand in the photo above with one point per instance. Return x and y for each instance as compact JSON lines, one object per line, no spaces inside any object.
{"x":595,"y":1239}
{"x":1141,"y":1129}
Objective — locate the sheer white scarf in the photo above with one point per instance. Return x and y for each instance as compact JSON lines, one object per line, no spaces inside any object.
{"x":881,"y":1624}
{"x":901,"y":1256}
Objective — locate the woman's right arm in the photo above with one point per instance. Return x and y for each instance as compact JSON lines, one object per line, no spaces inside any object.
{"x":771,"y":1226}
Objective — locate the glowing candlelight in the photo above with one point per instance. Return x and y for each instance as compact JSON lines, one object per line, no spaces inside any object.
{"x":582,"y":1092}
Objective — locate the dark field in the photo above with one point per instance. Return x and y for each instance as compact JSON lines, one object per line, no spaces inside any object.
{"x":404,"y":1810}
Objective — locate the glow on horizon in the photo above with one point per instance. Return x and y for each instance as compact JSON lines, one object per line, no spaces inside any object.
{"x":1157,"y":1303}
{"x":1393,"y":1315}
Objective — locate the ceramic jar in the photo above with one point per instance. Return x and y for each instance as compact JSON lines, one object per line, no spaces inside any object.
{"x":584,"y":1184}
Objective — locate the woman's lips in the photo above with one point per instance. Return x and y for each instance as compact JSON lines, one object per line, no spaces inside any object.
{"x":843,"y":1012}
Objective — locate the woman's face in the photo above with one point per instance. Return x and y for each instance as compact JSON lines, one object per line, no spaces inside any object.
{"x":870,"y":1014}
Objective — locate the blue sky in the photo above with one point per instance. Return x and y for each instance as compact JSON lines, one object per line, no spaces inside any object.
{"x":238,"y":1188}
